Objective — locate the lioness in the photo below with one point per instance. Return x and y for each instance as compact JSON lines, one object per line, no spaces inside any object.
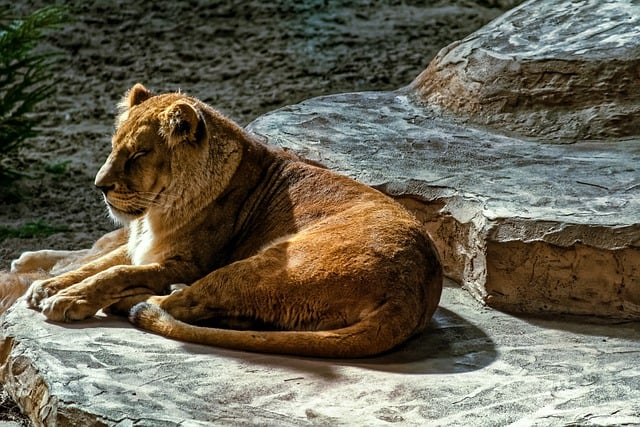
{"x":296,"y":258}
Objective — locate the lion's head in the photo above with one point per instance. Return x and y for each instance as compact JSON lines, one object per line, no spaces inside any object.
{"x":162,"y":154}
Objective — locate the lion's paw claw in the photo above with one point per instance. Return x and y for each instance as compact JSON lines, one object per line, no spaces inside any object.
{"x":37,"y":293}
{"x":60,"y":308}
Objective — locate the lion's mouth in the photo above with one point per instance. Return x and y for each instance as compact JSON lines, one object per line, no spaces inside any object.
{"x":125,"y":207}
{"x":124,"y":214}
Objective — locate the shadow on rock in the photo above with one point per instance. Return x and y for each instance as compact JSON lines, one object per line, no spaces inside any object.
{"x":450,"y":345}
{"x":587,"y":325}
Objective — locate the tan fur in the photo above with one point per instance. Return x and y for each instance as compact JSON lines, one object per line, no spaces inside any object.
{"x":313,"y":262}
{"x":47,"y":263}
{"x":14,"y":285}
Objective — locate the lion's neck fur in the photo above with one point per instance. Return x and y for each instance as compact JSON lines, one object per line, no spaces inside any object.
{"x":141,"y":241}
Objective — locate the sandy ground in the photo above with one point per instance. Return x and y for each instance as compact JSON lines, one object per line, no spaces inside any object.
{"x":245,"y":58}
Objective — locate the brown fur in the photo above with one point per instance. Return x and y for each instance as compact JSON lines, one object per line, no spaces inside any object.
{"x":314,"y":262}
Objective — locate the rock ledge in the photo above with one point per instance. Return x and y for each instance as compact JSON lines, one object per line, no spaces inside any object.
{"x":525,"y":226}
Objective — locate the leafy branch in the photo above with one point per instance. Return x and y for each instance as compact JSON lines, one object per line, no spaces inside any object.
{"x":25,"y":79}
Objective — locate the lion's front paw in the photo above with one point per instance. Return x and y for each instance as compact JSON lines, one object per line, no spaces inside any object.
{"x":41,"y":290}
{"x":67,"y":308}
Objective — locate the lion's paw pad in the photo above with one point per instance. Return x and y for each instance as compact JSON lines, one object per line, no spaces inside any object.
{"x":66,"y":309}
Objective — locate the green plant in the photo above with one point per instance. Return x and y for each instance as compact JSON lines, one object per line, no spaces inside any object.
{"x":25,"y":79}
{"x":31,"y":229}
{"x":58,"y":168}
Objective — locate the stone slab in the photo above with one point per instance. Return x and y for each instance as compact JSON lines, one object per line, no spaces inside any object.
{"x":384,"y":138}
{"x":525,"y":226}
{"x":560,"y":71}
{"x":474,"y":366}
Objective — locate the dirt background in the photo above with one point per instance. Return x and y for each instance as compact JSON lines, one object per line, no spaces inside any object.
{"x":243,"y":57}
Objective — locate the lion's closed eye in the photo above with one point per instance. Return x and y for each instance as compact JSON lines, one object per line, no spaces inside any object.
{"x":134,"y":159}
{"x":140,"y":153}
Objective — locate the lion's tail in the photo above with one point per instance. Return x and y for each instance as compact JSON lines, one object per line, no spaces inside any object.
{"x":14,"y":285}
{"x":372,"y":335}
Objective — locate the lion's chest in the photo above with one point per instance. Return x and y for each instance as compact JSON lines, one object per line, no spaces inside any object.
{"x":141,"y":243}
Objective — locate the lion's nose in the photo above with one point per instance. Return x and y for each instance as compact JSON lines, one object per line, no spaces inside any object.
{"x":104,"y":180}
{"x":105,"y":188}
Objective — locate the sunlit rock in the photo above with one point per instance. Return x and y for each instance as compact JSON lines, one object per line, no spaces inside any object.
{"x":559,"y":71}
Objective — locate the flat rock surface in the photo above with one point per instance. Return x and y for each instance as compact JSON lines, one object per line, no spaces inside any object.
{"x":385,"y":140}
{"x":474,"y":366}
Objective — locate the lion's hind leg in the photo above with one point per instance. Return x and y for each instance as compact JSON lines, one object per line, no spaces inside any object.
{"x":29,"y":267}
{"x":43,"y":260}
{"x":347,"y":310}
{"x":56,"y":262}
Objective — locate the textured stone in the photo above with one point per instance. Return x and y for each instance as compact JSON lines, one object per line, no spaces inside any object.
{"x":525,"y":226}
{"x":474,"y":366}
{"x":554,"y":70}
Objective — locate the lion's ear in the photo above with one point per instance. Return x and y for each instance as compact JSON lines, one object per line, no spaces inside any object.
{"x":180,"y":122}
{"x":134,"y":96}
{"x":137,"y":95}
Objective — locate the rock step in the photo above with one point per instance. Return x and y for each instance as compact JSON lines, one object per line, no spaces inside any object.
{"x":473,"y":366}
{"x":525,"y":225}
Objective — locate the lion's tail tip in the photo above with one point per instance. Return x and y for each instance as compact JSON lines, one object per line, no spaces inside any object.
{"x":148,"y":316}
